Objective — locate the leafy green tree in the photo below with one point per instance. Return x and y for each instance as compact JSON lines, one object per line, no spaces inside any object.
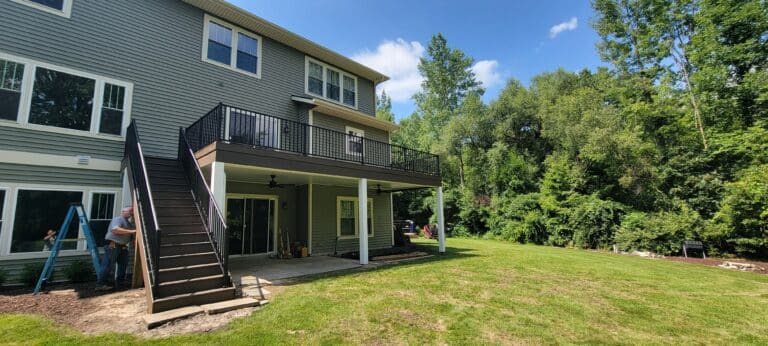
{"x":652,"y":38}
{"x":384,"y":107}
{"x":448,"y":79}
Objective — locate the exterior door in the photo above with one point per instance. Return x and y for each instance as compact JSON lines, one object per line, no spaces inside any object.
{"x":251,"y":225}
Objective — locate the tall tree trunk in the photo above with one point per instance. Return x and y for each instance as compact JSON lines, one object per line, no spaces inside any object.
{"x":461,"y":168}
{"x":682,"y":63}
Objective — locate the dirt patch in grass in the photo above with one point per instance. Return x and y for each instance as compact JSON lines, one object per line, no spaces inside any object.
{"x":759,"y":267}
{"x":91,"y":312}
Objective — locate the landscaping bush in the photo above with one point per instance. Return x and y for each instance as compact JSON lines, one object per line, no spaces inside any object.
{"x":31,"y":273}
{"x":593,"y":221}
{"x":3,"y":277}
{"x":661,"y":233}
{"x":518,"y":219}
{"x":79,"y":271}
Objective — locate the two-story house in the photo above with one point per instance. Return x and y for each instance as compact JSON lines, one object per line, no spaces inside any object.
{"x":231,"y":135}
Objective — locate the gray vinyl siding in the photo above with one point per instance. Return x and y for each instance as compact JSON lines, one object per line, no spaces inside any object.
{"x":332,"y":144}
{"x":366,"y":97}
{"x":156,"y":45}
{"x":338,"y":124}
{"x":302,"y":213}
{"x":12,"y":173}
{"x":324,"y":220}
{"x":14,"y":268}
{"x":19,"y":139}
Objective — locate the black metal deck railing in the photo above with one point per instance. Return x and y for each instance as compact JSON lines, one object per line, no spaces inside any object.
{"x":210,"y":212}
{"x":237,"y":125}
{"x":139,"y":184}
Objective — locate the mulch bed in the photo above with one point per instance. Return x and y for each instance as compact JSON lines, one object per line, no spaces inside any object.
{"x":60,"y":305}
{"x":714,"y":262}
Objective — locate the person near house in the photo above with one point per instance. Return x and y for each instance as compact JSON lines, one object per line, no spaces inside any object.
{"x":119,"y":234}
{"x":50,"y":238}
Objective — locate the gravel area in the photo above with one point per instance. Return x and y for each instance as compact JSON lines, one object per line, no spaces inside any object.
{"x":762,"y":267}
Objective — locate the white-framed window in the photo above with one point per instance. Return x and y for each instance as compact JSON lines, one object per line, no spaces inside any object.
{"x":58,"y":7}
{"x":3,"y":196}
{"x":33,"y":210}
{"x":354,"y":143}
{"x":347,"y":212}
{"x":102,"y":211}
{"x":330,"y":83}
{"x":350,"y":91}
{"x":47,"y":97}
{"x":229,"y":46}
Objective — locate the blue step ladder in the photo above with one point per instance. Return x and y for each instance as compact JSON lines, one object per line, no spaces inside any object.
{"x":45,"y":276}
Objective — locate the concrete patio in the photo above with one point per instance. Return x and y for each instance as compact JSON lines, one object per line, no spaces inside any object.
{"x":245,"y":270}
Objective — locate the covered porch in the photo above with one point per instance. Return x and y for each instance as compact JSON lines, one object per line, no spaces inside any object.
{"x":268,"y":210}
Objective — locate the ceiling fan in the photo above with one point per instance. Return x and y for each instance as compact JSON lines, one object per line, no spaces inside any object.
{"x":273,"y":184}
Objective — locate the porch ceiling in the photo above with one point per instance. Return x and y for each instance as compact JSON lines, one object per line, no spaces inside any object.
{"x":260,"y":175}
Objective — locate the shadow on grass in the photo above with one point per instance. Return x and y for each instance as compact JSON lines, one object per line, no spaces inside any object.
{"x":83,"y":290}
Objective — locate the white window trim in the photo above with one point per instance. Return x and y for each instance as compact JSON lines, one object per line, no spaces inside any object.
{"x":12,"y":190}
{"x":233,"y":54}
{"x":27,"y":87}
{"x":341,"y":72}
{"x":357,"y":215}
{"x":89,"y":209}
{"x":347,"y":129}
{"x":65,"y":12}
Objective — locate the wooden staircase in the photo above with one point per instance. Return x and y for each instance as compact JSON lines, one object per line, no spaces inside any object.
{"x":189,"y":270}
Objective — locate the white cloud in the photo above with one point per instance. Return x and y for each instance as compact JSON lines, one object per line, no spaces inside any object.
{"x":486,"y":71}
{"x":399,"y":60}
{"x":564,"y":26}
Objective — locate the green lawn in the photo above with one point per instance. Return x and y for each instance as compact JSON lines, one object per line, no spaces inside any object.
{"x":491,"y":292}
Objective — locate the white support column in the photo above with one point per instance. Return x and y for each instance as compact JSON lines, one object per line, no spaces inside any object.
{"x":126,"y":199}
{"x":440,"y":220}
{"x":362,"y":203}
{"x":219,"y":184}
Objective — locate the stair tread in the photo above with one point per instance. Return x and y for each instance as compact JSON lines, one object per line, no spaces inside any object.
{"x":196,"y":266}
{"x":191,"y":280}
{"x":197,"y":293}
{"x":196,"y":223}
{"x":186,"y":244}
{"x":187,"y":255}
{"x":182,"y":234}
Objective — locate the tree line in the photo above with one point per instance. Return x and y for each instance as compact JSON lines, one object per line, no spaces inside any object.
{"x":670,"y":143}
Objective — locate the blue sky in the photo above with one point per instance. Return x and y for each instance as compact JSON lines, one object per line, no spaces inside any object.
{"x":507,"y":39}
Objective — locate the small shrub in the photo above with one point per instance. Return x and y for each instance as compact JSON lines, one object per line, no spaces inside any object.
{"x":79,"y":271}
{"x":3,"y":277}
{"x":31,"y":273}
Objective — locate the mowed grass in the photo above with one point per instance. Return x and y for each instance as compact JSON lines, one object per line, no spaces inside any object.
{"x":489,"y":292}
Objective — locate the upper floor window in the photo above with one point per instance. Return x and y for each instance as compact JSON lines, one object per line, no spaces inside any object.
{"x":59,"y":7}
{"x":47,"y":97}
{"x":330,"y":83}
{"x":229,"y":46}
{"x":350,"y":91}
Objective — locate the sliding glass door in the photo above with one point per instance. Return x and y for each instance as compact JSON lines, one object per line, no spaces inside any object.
{"x":251,"y":224}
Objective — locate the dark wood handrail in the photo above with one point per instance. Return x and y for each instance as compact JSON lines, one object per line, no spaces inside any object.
{"x":139,"y":180}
